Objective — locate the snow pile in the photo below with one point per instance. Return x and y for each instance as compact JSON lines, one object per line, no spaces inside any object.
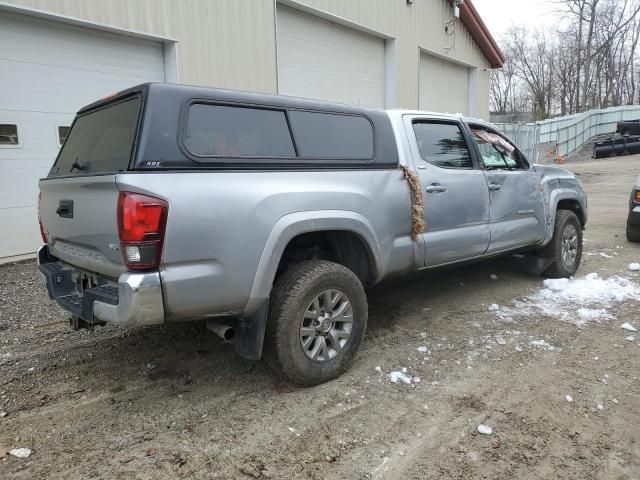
{"x":634,"y":267}
{"x":423,"y":349}
{"x":628,"y":326}
{"x":575,"y":300}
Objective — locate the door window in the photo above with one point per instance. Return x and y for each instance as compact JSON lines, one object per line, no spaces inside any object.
{"x":442,"y":144}
{"x":496,"y":152}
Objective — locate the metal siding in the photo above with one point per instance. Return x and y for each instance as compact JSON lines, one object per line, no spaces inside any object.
{"x":324,"y":60}
{"x":231,"y":43}
{"x":444,"y":85}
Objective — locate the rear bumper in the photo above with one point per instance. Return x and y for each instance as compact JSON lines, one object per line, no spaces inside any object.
{"x":135,"y":300}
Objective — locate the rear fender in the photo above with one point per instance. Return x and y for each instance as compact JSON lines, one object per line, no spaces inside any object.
{"x":298,"y":223}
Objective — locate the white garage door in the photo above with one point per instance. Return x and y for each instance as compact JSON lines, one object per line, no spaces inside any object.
{"x":324,"y":60}
{"x":48,"y":71}
{"x":444,"y":85}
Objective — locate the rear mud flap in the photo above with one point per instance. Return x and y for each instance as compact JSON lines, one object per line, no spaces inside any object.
{"x":250,"y":333}
{"x":533,"y":264}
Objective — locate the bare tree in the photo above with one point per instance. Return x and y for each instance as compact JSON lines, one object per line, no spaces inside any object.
{"x":590,"y":61}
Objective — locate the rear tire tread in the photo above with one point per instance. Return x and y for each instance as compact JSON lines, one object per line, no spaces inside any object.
{"x":288,"y":292}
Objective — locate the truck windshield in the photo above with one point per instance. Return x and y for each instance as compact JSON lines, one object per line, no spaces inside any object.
{"x":100,"y":141}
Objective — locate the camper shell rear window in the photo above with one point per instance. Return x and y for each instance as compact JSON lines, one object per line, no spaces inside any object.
{"x":101,"y":140}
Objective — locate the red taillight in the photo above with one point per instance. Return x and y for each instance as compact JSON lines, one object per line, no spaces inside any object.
{"x":44,"y":236}
{"x":141,"y":225}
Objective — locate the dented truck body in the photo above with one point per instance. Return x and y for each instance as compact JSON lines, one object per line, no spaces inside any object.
{"x":231,"y":189}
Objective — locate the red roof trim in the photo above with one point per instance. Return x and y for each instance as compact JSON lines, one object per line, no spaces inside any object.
{"x":480,"y":33}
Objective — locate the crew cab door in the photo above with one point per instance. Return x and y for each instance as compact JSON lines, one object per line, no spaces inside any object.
{"x":517,"y":210}
{"x":456,"y":196}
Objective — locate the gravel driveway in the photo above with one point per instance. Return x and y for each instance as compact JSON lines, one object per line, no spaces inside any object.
{"x":174,"y":402}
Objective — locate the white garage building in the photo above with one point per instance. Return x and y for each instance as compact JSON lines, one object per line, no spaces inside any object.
{"x":58,"y":55}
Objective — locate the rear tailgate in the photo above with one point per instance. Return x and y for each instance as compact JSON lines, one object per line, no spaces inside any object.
{"x":78,"y":204}
{"x":79,"y":216}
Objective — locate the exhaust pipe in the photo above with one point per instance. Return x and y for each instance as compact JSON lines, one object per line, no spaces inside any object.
{"x":225,"y":332}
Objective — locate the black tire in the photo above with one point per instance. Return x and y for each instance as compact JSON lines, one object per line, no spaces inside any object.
{"x":633,"y":232}
{"x":561,"y":268}
{"x":291,"y":298}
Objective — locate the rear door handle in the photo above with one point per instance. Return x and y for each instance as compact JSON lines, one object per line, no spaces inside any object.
{"x":495,"y":186}
{"x":435,"y":188}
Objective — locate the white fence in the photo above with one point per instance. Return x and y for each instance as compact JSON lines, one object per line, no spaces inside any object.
{"x":568,"y":133}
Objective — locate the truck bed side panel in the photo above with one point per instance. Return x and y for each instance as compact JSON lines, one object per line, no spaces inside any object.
{"x":219,"y":222}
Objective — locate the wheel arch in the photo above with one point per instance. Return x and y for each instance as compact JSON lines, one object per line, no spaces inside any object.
{"x":352,"y":225}
{"x":564,"y":200}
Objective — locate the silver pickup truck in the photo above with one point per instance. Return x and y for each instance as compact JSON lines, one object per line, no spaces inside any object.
{"x":268,"y":216}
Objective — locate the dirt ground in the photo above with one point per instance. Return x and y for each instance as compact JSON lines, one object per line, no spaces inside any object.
{"x":174,"y":402}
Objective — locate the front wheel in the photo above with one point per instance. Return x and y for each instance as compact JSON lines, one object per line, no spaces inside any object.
{"x":565,"y":248}
{"x":317,"y":322}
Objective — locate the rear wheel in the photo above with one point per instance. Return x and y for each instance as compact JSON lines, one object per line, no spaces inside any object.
{"x":316,"y":323}
{"x":633,"y":232}
{"x":565,"y":248}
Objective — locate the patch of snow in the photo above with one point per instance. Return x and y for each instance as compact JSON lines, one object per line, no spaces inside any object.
{"x":605,"y":255}
{"x":630,"y":338}
{"x":542,"y":344}
{"x":423,"y":349}
{"x":494,"y":307}
{"x":379,"y":369}
{"x":591,"y":314}
{"x":493,"y":276}
{"x":569,"y":398}
{"x":600,"y":407}
{"x":634,"y":267}
{"x":628,"y":326}
{"x":423,"y":334}
{"x":5,"y":357}
{"x":20,"y":452}
{"x":485,"y":429}
{"x":396,"y":377}
{"x":500,"y":340}
{"x":575,"y":300}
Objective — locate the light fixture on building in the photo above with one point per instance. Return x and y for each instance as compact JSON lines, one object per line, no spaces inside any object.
{"x":456,"y":8}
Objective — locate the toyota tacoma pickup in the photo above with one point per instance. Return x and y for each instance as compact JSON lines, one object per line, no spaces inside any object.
{"x":269,"y":216}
